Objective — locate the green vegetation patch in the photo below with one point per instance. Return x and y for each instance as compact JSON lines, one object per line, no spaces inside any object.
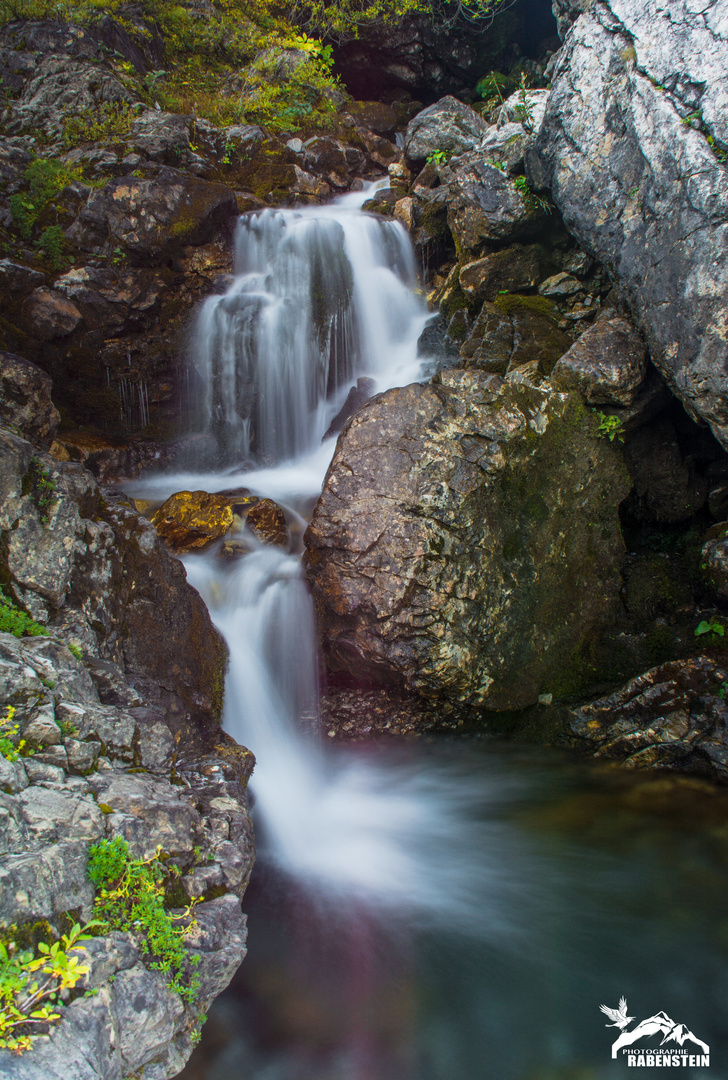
{"x":131,"y":896}
{"x":15,"y":621}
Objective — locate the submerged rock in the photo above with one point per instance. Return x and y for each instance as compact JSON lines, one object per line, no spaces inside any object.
{"x":467,"y":540}
{"x":672,"y":717}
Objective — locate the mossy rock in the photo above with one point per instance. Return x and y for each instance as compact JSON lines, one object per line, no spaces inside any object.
{"x":270,"y":173}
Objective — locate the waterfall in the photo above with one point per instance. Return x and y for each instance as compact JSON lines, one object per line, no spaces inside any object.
{"x":320,"y":296}
{"x":441,"y":867}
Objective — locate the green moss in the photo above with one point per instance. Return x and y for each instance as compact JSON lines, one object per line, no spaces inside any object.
{"x":515,"y":302}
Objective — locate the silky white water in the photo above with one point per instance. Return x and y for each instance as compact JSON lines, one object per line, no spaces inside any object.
{"x":405,"y":927}
{"x":396,"y":835}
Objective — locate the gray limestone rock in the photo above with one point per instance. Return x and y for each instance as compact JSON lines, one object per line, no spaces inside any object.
{"x":642,"y":191}
{"x":448,"y":126}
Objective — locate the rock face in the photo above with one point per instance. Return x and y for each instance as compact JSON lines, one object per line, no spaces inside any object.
{"x":88,"y":564}
{"x":103,"y":771}
{"x":467,"y":540}
{"x":631,"y":148}
{"x":25,"y":400}
{"x":672,"y":717}
{"x":154,"y":217}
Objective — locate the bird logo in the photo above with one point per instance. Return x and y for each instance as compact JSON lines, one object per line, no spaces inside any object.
{"x":618,"y":1016}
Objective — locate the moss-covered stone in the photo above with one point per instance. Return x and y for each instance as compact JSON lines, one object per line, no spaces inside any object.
{"x":467,"y":543}
{"x":270,"y":173}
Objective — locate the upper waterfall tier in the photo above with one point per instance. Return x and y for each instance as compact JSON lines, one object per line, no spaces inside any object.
{"x":320,"y":297}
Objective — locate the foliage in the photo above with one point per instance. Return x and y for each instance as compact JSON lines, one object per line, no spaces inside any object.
{"x":131,"y":897}
{"x":17,"y":622}
{"x":75,"y":650}
{"x":43,"y":488}
{"x":41,"y":182}
{"x":710,"y":626}
{"x":610,"y":427}
{"x":524,"y":110}
{"x":533,"y":201}
{"x":51,"y":243}
{"x":31,"y":986}
{"x":109,"y":120}
{"x":10,"y":750}
{"x":437,"y":157}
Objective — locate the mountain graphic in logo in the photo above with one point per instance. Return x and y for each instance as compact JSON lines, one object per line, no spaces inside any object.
{"x":659,"y":1024}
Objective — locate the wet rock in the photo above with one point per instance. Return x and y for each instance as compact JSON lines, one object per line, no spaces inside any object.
{"x":154,"y":218}
{"x":514,"y":269}
{"x":25,"y":400}
{"x":449,"y":126}
{"x":192,"y":520}
{"x":449,"y":554}
{"x":643,"y":191}
{"x":48,"y":314}
{"x":356,"y":397}
{"x":607,"y":364}
{"x":672,"y":717}
{"x":267,"y":522}
{"x":667,"y":486}
{"x":17,"y":278}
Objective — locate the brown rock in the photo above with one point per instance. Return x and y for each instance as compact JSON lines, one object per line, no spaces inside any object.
{"x":669,"y":718}
{"x":514,"y":269}
{"x":153,"y":218}
{"x":467,"y":543}
{"x":48,"y":314}
{"x":267,"y":522}
{"x":607,"y":364}
{"x":192,"y":520}
{"x":25,"y":400}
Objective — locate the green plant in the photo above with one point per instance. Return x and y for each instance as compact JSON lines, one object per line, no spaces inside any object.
{"x":723,"y":690}
{"x":42,"y":487}
{"x":534,"y":202}
{"x":109,"y":120}
{"x":437,"y":157}
{"x":711,"y":626}
{"x":31,"y":986}
{"x":17,"y":622}
{"x":491,"y":87}
{"x":10,"y":750}
{"x":720,"y":154}
{"x":131,"y":897}
{"x":75,"y":650}
{"x":610,"y":427}
{"x":524,"y":109}
{"x":51,"y":243}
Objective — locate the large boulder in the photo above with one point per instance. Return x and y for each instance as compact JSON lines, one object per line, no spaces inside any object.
{"x":467,"y":542}
{"x":152,"y":218}
{"x":88,"y":564}
{"x":449,"y":126}
{"x":632,"y":148}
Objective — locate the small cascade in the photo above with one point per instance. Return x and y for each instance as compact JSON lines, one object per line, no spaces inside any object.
{"x":320,"y":296}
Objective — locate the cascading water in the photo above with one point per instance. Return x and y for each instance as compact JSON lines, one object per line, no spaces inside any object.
{"x":319,"y":297}
{"x":416,"y":915}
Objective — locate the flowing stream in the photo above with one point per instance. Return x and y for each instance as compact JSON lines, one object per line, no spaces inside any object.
{"x":440,"y":909}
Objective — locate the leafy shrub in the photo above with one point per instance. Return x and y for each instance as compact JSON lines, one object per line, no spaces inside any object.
{"x":41,"y":182}
{"x":131,"y":897}
{"x":31,"y":986}
{"x":109,"y":120}
{"x":713,"y":626}
{"x":42,"y":487}
{"x":51,"y":243}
